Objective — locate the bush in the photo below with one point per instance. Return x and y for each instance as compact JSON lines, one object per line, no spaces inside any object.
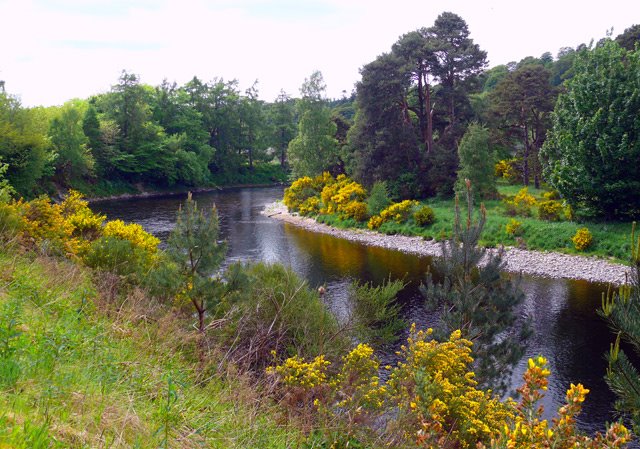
{"x":118,"y":256}
{"x":521,"y":204}
{"x":378,"y":198}
{"x":514,"y":227}
{"x":583,"y":239}
{"x":508,"y":169}
{"x":133,"y":233}
{"x":344,"y":197}
{"x":275,"y":311}
{"x":550,"y":210}
{"x":304,"y":188}
{"x":398,"y":212}
{"x":424,"y":216}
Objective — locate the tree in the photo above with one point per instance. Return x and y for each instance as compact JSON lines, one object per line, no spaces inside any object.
{"x":23,"y":146}
{"x":630,"y":38}
{"x":478,"y":300}
{"x":477,"y":163}
{"x":592,"y":150}
{"x":314,"y":149}
{"x":460,"y":61}
{"x":521,"y":105}
{"x":281,"y":117}
{"x":383,"y":143}
{"x":621,"y":310}
{"x":194,"y":247}
{"x":73,"y":158}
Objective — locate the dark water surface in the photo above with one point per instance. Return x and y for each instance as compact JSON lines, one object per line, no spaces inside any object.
{"x":566,"y":328}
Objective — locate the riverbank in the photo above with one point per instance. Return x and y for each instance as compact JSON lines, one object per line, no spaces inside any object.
{"x":177,"y":192}
{"x":535,"y":263}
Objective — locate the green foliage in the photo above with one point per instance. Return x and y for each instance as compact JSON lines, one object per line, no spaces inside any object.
{"x":595,"y":134}
{"x":621,"y":310}
{"x":194,"y":248}
{"x":274,"y":310}
{"x":477,"y":163}
{"x":314,"y":149}
{"x":118,"y":256}
{"x":424,"y":216}
{"x":23,"y":146}
{"x":550,"y":210}
{"x":376,"y":311}
{"x":73,"y":159}
{"x":478,"y":300}
{"x":93,"y":366}
{"x":378,"y":198}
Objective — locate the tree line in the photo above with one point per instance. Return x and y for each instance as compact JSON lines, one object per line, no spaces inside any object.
{"x":403,"y":125}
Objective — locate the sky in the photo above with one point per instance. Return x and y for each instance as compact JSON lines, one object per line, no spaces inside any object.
{"x":55,"y":50}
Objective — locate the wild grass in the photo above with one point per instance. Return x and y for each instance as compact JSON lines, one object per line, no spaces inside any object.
{"x":84,"y":366}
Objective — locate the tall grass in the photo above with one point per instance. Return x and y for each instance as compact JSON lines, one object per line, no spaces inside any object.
{"x":82,"y":367}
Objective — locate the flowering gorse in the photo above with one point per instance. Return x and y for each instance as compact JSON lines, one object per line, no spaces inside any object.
{"x":397,"y":212}
{"x":527,"y":429}
{"x":582,"y":239}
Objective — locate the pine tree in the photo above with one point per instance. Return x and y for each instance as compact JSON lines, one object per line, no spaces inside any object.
{"x":621,"y":309}
{"x":476,"y":298}
{"x":194,"y":247}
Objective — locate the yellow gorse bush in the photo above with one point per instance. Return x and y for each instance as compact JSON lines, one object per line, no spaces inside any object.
{"x":437,"y":397}
{"x":295,"y":372}
{"x":133,"y":233}
{"x":345,"y":198}
{"x":398,"y":212}
{"x":526,"y":429}
{"x":297,"y":197}
{"x":514,"y":227}
{"x":582,"y":239}
{"x":521,"y":203}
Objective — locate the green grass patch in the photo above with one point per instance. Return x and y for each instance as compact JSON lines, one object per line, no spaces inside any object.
{"x":79,"y":371}
{"x":610,"y":239}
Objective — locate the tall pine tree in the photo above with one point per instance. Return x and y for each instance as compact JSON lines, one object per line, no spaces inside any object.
{"x":476,"y":298}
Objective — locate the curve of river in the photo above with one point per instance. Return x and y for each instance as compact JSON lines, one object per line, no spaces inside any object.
{"x":566,"y":328}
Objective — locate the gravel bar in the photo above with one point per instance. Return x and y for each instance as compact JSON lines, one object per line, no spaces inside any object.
{"x":535,"y":263}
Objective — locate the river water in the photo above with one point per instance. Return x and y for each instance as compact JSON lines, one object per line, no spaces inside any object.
{"x":567,"y":330}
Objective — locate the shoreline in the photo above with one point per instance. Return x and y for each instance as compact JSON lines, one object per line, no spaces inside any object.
{"x":169,"y":193}
{"x":535,"y":263}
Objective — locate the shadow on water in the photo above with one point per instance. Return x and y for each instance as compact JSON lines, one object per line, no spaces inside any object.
{"x":566,"y":328}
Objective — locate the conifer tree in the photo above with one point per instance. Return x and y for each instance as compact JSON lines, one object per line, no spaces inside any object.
{"x":476,"y":298}
{"x":621,"y":309}
{"x":194,"y":247}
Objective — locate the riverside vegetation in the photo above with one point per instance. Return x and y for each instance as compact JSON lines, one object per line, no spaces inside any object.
{"x":98,"y":348}
{"x":522,"y":217}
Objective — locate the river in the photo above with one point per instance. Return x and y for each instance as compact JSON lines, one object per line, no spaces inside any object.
{"x":566,"y":328}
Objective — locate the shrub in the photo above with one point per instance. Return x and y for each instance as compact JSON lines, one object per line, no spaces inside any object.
{"x":304,"y":188}
{"x":550,"y":210}
{"x":118,"y":256}
{"x":527,"y":428}
{"x":398,"y":212}
{"x":378,"y":198}
{"x":521,"y":204}
{"x":133,"y":233}
{"x":424,"y":216}
{"x":551,"y":195}
{"x":583,"y":239}
{"x":344,"y":197}
{"x":508,"y":170}
{"x":375,"y":222}
{"x":514,"y":227}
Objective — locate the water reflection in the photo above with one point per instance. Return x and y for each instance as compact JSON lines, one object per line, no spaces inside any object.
{"x":566,"y":328}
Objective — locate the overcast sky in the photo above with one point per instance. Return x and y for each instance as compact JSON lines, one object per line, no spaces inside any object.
{"x":55,"y":50}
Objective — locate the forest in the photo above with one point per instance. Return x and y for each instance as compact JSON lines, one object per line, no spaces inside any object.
{"x":402,"y":124}
{"x":110,"y":338}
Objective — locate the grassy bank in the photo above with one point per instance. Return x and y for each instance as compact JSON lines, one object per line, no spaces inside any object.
{"x":611,"y":240}
{"x":81,"y":366}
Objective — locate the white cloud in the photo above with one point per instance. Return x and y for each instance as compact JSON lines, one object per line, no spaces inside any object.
{"x":56,"y":50}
